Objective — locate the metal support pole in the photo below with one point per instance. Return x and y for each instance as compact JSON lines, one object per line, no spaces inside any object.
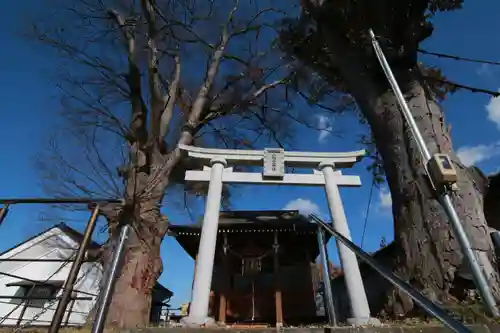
{"x":477,"y":273}
{"x":73,"y":273}
{"x":396,"y":281}
{"x":58,"y":200}
{"x":327,"y":286}
{"x":3,"y":213}
{"x":109,"y":282}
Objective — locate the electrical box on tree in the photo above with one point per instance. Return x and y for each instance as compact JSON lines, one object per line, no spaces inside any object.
{"x":441,"y":170}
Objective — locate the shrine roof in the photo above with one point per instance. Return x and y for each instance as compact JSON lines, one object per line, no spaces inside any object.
{"x":296,"y":232}
{"x":254,"y":221}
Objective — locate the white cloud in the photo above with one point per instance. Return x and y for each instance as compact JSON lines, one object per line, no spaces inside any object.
{"x":304,"y":206}
{"x":384,"y":198}
{"x":325,"y":127}
{"x":472,"y":155}
{"x":486,"y":70}
{"x":493,"y":109}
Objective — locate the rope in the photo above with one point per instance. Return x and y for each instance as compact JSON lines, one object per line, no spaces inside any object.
{"x":247,"y":258}
{"x":251,"y":260}
{"x":367,"y":212}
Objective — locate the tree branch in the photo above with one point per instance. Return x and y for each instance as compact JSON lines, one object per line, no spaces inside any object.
{"x":139,"y":110}
{"x":155,"y":85}
{"x":193,"y":119}
{"x":170,"y":100}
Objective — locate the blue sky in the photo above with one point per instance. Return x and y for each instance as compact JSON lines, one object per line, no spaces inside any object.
{"x":29,"y":107}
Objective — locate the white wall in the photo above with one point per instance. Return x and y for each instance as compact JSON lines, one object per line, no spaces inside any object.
{"x":54,"y":244}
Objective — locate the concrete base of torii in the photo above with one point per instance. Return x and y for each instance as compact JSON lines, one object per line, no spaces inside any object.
{"x":197,"y":322}
{"x":364,"y":321}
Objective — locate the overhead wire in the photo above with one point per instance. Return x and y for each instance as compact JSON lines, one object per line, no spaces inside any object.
{"x":367,"y":213}
{"x":458,"y":58}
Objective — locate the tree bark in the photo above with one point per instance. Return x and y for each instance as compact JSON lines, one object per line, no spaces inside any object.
{"x":140,"y":268}
{"x":429,"y":256}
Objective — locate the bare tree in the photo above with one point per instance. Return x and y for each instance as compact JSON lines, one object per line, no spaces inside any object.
{"x":138,"y":78}
{"x":331,"y":38}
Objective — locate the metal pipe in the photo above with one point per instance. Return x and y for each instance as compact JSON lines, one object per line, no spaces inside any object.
{"x":445,"y":200}
{"x":327,"y":286}
{"x":21,"y":315}
{"x":45,"y":298}
{"x":109,"y":282}
{"x":420,"y":299}
{"x":58,"y":200}
{"x":73,"y":273}
{"x":70,"y":310}
{"x":3,"y":213}
{"x":42,"y":260}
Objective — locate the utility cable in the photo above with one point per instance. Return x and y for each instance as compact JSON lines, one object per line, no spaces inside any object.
{"x":449,"y":56}
{"x":367,"y":212}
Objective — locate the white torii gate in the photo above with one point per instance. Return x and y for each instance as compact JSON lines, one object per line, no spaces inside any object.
{"x":325,"y":174}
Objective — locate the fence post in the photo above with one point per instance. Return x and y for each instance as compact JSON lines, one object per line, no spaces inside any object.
{"x":73,"y":273}
{"x":3,"y":213}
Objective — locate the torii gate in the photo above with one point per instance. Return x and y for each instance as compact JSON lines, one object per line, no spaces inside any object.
{"x":325,"y":173}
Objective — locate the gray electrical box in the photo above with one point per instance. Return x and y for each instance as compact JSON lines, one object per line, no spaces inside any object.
{"x":274,"y":162}
{"x":442,"y":170}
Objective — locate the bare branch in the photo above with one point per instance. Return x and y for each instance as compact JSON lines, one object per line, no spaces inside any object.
{"x":170,"y":100}
{"x":139,"y":111}
{"x":155,"y":86}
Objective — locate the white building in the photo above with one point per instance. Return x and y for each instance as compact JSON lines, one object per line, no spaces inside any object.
{"x":32,"y":274}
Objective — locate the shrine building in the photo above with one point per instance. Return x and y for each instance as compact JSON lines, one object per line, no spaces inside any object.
{"x":264,"y":267}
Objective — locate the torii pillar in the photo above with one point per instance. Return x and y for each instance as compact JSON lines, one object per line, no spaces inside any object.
{"x":325,"y":174}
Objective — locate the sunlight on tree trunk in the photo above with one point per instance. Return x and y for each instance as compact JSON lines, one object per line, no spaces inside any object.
{"x":142,"y":266}
{"x":428,"y":254}
{"x":429,"y":257}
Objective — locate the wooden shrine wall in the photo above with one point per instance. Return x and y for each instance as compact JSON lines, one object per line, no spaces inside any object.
{"x":298,"y":286}
{"x":298,"y":292}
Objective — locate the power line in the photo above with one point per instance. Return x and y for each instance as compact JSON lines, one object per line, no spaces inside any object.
{"x":465,"y":87}
{"x":449,"y":56}
{"x":367,"y":212}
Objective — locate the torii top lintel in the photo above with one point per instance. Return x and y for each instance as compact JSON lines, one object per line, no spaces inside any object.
{"x":291,"y":158}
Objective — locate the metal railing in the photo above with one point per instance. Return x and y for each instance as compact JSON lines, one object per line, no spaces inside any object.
{"x":69,"y":285}
{"x":404,"y":286}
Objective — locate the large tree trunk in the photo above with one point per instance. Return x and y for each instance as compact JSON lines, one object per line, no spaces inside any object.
{"x":429,"y":255}
{"x":428,"y":252}
{"x":140,"y":268}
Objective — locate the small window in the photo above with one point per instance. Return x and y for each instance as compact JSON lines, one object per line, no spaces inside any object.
{"x":39,"y":295}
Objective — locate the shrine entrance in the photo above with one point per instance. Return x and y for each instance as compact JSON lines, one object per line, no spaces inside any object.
{"x":252,"y":280}
{"x":326,"y":173}
{"x":264,"y":267}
